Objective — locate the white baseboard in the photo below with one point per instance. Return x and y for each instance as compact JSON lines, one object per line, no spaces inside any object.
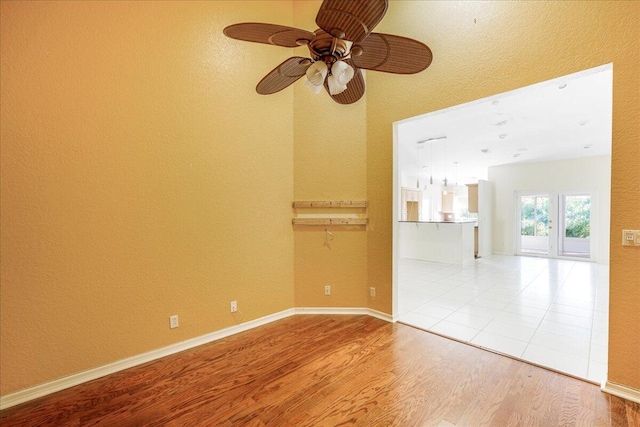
{"x":44,"y":389}
{"x":40,"y":390}
{"x":345,"y":310}
{"x":622,"y":391}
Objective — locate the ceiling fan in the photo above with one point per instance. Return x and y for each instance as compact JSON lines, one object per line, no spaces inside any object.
{"x":342,"y":46}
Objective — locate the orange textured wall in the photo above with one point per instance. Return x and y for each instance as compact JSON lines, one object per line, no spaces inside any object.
{"x":485,"y":48}
{"x":142,"y":176}
{"x":329,"y":164}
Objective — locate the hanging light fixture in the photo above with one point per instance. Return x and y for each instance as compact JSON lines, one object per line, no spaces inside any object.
{"x":456,"y":185}
{"x":445,"y":182}
{"x":316,"y":73}
{"x":431,"y":160}
{"x":418,"y":163}
{"x":425,"y":186}
{"x":341,"y":74}
{"x":431,"y":140}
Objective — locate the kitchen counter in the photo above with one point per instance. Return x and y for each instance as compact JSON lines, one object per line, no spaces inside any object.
{"x":458,"y":221}
{"x":450,"y":242}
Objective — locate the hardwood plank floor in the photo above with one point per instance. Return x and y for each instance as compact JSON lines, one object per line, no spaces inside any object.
{"x":310,"y":370}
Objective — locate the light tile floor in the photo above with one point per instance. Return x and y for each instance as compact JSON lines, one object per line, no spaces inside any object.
{"x":547,"y":311}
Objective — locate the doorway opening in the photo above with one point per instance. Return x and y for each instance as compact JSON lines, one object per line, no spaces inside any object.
{"x":531,"y":296}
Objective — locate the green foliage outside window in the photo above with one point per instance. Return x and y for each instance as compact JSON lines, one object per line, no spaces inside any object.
{"x":534,"y":217}
{"x":578,"y":216}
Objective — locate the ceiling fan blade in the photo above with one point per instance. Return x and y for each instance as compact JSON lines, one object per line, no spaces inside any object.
{"x":355,"y":18}
{"x":283,"y":75}
{"x":393,"y":54}
{"x":354,"y":91}
{"x":257,"y":32}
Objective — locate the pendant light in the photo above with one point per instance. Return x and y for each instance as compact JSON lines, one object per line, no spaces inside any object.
{"x":418,"y":163}
{"x":445,"y":168}
{"x":456,"y":176}
{"x":431,"y":160}
{"x":430,"y":141}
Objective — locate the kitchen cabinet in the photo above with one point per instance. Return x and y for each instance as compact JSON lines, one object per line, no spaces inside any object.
{"x":473,"y":197}
{"x":480,"y":198}
{"x":411,"y":201}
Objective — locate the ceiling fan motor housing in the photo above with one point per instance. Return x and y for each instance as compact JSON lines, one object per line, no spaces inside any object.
{"x":325,"y":47}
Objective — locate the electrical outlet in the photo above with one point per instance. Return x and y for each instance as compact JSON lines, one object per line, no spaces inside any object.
{"x":173,"y":321}
{"x":327,"y":290}
{"x":372,"y":292}
{"x":234,"y":306}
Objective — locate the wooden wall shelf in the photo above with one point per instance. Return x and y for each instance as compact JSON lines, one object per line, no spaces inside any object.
{"x":331,"y":204}
{"x":329,"y":221}
{"x":352,"y":217}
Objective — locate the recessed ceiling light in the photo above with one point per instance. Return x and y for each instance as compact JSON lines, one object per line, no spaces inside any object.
{"x":583,"y":122}
{"x":516,"y":155}
{"x":503,"y":135}
{"x":502,"y":123}
{"x":562,"y":86}
{"x":495,"y":102}
{"x":586,"y":147}
{"x":485,"y":151}
{"x":522,"y":149}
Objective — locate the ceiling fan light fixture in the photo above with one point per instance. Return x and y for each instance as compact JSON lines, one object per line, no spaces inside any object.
{"x":345,"y":32}
{"x":335,"y":87}
{"x":343,"y":71}
{"x":313,"y":88}
{"x":316,"y":73}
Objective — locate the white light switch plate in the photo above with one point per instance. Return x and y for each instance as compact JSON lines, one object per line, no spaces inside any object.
{"x":630,"y":237}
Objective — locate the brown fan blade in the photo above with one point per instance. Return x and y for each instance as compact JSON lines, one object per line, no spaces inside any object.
{"x":392,"y":54}
{"x":355,"y":89}
{"x":283,"y":75}
{"x":278,"y":35}
{"x":351,"y":19}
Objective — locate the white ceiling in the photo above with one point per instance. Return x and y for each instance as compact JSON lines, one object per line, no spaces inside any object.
{"x":563,"y":118}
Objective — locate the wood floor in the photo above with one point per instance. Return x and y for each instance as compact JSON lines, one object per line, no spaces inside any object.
{"x":310,"y":370}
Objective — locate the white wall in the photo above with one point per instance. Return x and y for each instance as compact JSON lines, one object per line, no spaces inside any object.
{"x":589,"y":174}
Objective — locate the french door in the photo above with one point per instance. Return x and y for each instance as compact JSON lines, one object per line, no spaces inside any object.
{"x":574,"y":238}
{"x":554,"y":224}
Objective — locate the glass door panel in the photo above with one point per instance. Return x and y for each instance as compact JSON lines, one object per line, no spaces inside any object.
{"x":575,"y":226}
{"x":534,"y":224}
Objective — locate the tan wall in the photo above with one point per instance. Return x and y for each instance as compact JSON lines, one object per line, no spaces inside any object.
{"x":485,"y":48}
{"x":329,"y":164}
{"x":142,"y":176}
